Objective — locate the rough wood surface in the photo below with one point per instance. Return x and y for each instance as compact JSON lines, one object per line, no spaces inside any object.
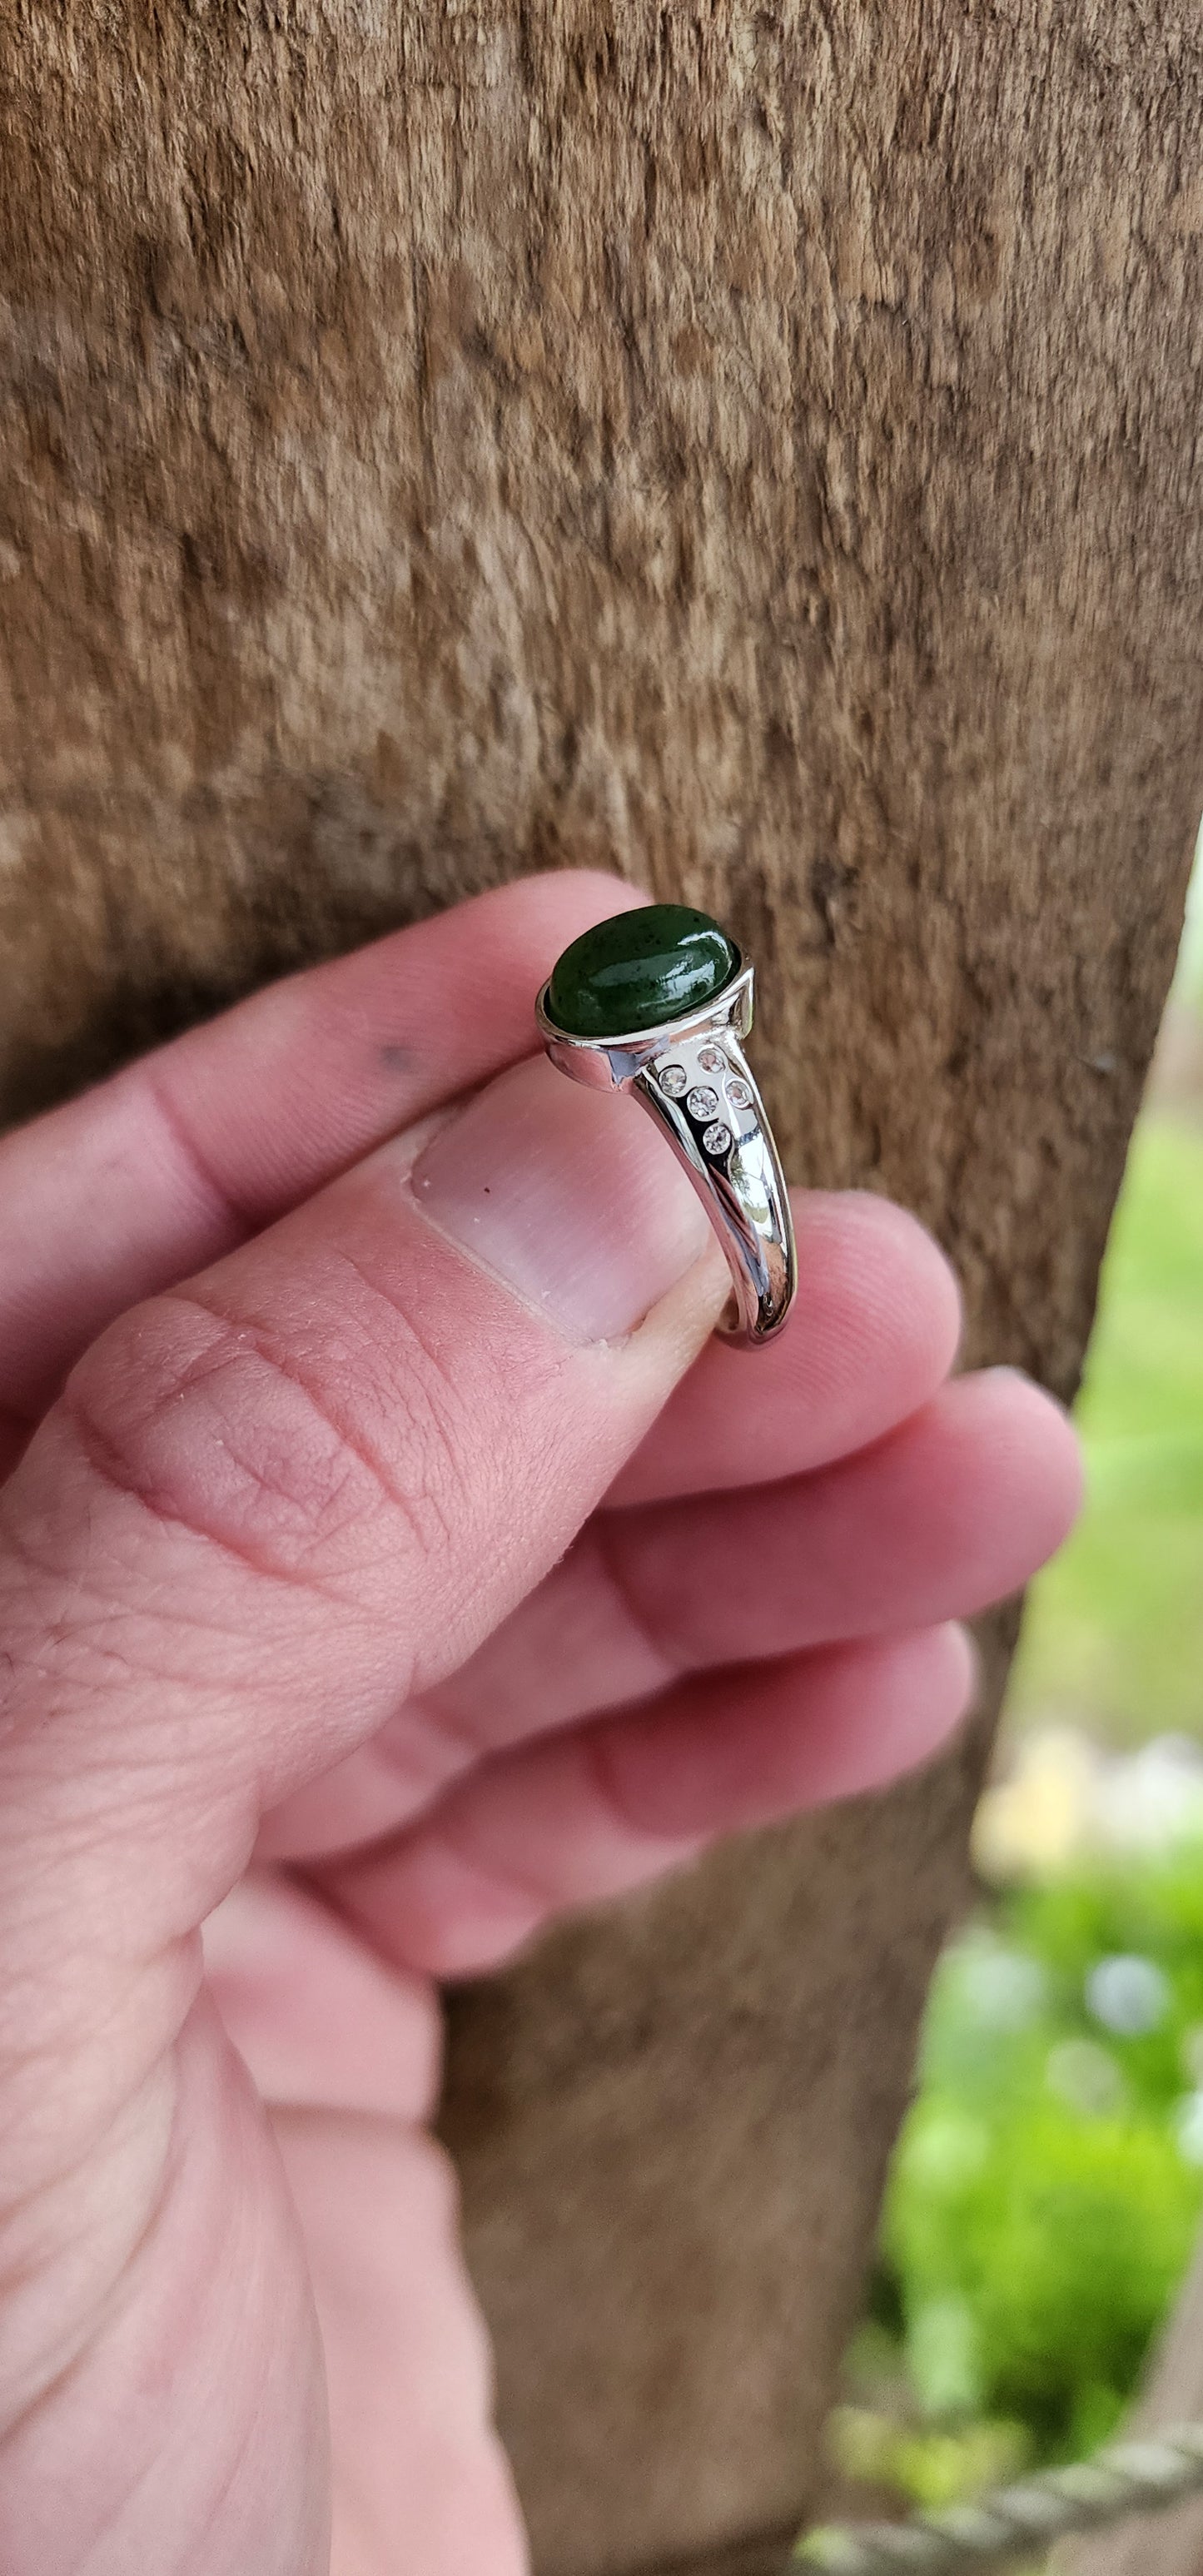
{"x":754,"y":446}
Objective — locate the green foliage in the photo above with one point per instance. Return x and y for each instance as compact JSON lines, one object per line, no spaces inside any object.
{"x":1048,"y":2182}
{"x":1114,"y":1633}
{"x":933,"y":2465}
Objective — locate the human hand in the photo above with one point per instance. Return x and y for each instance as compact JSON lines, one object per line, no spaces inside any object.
{"x":419,"y":1569}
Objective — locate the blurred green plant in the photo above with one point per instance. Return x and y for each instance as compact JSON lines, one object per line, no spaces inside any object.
{"x":1048,"y":2183}
{"x":1114,"y":1633}
{"x":932,"y":2465}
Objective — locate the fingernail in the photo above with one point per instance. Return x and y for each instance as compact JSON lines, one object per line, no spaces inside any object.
{"x":570,"y":1196}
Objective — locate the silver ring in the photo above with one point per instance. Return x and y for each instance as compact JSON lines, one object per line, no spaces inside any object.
{"x":689,"y":1071}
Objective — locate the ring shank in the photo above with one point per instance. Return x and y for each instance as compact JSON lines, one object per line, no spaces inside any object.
{"x":692,"y":1077}
{"x":742,"y":1189}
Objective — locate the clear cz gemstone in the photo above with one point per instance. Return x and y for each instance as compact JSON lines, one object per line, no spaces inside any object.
{"x":703,"y":1102}
{"x":739,"y":1092}
{"x":717,"y":1138}
{"x":710,"y":1060}
{"x":673,"y":1080}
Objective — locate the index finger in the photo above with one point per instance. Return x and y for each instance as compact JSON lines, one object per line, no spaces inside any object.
{"x":186,"y":1153}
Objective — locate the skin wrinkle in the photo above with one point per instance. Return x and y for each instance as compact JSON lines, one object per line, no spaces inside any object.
{"x":442,"y":1737}
{"x":47,"y":2047}
{"x":532,"y":1899}
{"x":588,"y":1745}
{"x":122,"y":2058}
{"x":534,"y":1894}
{"x":99,"y":1686}
{"x":176,"y":1751}
{"x":106,"y":1462}
{"x":120,"y":1941}
{"x":221,"y":2493}
{"x":58,"y":2178}
{"x":445,"y":1730}
{"x":124,"y":1788}
{"x":50,"y":2040}
{"x":447,"y":1727}
{"x":360,"y":2526}
{"x":600,"y":1540}
{"x":553,"y":1360}
{"x":240,"y":1334}
{"x":75,"y":1839}
{"x":163,"y":2070}
{"x":123,"y":2283}
{"x":419,"y":1364}
{"x":446,"y":1735}
{"x":587,"y":1552}
{"x":432,"y":1377}
{"x":108,"y":1608}
{"x":236,"y":1222}
{"x":20,"y":1547}
{"x":445,"y":1745}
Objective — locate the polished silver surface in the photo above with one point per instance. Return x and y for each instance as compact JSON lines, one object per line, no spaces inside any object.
{"x":693,"y":1078}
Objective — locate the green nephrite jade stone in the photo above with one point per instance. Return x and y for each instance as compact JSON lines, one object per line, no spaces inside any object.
{"x":640,"y":968}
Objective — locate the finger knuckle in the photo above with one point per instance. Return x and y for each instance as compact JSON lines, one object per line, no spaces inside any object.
{"x":193,"y":1418}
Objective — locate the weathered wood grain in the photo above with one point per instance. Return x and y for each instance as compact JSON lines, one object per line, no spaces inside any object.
{"x":754,"y":447}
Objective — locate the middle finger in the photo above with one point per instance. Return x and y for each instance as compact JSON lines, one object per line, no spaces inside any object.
{"x":953,"y":1510}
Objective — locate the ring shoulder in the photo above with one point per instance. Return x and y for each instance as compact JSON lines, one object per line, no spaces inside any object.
{"x":692,"y":1077}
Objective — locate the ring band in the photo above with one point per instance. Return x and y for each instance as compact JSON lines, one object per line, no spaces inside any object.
{"x":687,"y":1069}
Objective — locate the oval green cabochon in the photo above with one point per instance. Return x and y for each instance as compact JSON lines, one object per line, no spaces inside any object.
{"x":639,"y":968}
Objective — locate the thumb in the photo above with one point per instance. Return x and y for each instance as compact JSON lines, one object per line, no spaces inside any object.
{"x":273,"y":1505}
